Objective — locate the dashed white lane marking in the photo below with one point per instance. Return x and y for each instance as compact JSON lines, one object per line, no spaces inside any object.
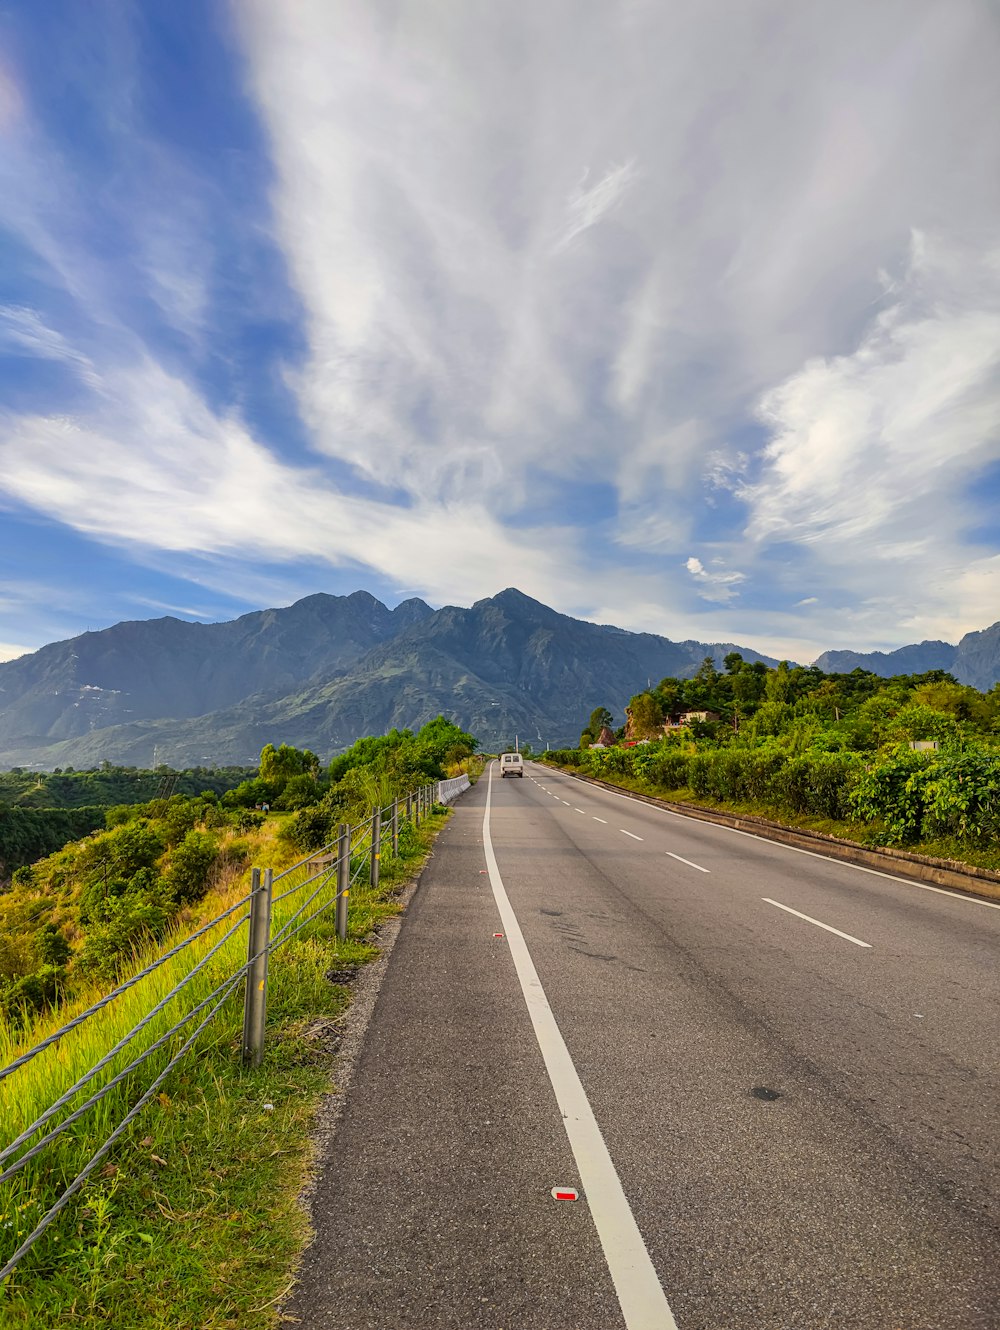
{"x":810,"y":920}
{"x":629,"y":833}
{"x":797,"y":849}
{"x":681,"y":860}
{"x":599,"y":819}
{"x":579,"y":810}
{"x":642,"y":1300}
{"x":565,"y":801}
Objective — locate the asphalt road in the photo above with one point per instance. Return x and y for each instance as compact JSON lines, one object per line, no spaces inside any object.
{"x":770,"y":1125}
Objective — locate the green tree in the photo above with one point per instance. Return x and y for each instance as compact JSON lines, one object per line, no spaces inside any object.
{"x":779,"y":687}
{"x":600,"y":718}
{"x":647,"y":716}
{"x":282,"y":763}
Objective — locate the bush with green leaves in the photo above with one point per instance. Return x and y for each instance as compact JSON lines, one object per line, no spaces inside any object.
{"x":915,"y":795}
{"x":31,"y":993}
{"x":191,"y":863}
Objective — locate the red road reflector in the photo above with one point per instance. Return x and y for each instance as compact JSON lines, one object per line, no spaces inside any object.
{"x":482,"y":872}
{"x":565,"y":1194}
{"x":498,"y":934}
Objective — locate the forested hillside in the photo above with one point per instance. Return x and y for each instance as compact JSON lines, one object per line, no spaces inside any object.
{"x":83,"y":914}
{"x":910,"y":760}
{"x":40,"y":811}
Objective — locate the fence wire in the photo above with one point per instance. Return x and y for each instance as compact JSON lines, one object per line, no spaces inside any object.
{"x":117,"y":992}
{"x":108,"y":1057}
{"x":102,"y":1150}
{"x":357,"y":839}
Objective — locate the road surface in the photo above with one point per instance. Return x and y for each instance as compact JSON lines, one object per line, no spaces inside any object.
{"x":772,"y":1079}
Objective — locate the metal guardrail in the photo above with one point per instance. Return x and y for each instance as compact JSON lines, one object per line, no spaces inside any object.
{"x":332,"y":861}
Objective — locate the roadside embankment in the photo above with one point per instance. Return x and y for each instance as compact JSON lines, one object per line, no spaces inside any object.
{"x":194,"y":1218}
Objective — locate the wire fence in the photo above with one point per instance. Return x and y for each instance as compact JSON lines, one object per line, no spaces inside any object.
{"x":225,"y":966}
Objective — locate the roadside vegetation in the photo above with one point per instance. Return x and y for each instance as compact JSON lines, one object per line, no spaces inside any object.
{"x":193,"y":1218}
{"x":912,"y":761}
{"x":84,"y":914}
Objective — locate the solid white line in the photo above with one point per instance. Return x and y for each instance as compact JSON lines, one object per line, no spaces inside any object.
{"x":810,"y":920}
{"x":780,"y":845}
{"x":629,"y":833}
{"x":642,"y":1300}
{"x":686,"y":861}
{"x":599,"y":819}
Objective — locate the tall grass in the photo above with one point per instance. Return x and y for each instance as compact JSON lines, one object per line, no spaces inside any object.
{"x":81,"y":1242}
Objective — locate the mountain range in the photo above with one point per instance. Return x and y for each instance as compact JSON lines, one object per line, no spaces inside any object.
{"x":328,"y":669}
{"x":974,"y":661}
{"x":321,"y":673}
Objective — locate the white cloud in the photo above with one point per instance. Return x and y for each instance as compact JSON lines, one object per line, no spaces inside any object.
{"x":527,"y":262}
{"x":587,"y":206}
{"x":873,"y":454}
{"x":24,"y":332}
{"x":202,"y":485}
{"x":746,"y":197}
{"x":718,"y":585}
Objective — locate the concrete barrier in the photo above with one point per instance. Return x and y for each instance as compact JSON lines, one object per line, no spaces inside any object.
{"x":451,"y":789}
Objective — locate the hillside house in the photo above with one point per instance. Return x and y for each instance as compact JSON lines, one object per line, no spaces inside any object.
{"x":689,"y":717}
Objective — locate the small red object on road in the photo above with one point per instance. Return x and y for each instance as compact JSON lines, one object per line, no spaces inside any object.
{"x":498,"y":934}
{"x":565,"y":1194}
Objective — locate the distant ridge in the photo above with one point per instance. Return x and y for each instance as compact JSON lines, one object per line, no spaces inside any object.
{"x":321,"y":673}
{"x":328,"y":669}
{"x":974,"y":661}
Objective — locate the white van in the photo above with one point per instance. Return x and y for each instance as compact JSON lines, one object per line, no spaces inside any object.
{"x":511,"y":764}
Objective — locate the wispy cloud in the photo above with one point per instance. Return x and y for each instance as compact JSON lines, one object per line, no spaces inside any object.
{"x":588,"y":204}
{"x":716,"y":583}
{"x":724,"y":263}
{"x":874,"y":453}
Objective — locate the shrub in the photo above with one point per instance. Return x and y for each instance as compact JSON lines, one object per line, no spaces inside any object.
{"x":892,"y":792}
{"x":310,"y":829}
{"x":51,"y":946}
{"x":190,"y":865}
{"x":299,"y":792}
{"x":32,"y":992}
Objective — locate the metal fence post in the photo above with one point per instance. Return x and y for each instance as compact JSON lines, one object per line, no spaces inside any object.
{"x":343,"y":878}
{"x":374,"y":862}
{"x":395,"y":828}
{"x":255,"y":1002}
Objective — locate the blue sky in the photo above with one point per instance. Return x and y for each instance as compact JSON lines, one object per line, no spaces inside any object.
{"x":680,"y":317}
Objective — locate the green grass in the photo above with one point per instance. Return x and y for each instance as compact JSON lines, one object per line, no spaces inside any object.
{"x":193,"y":1220}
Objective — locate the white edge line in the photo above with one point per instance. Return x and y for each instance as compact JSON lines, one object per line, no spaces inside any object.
{"x":682,"y":860}
{"x":955,"y":895}
{"x":810,"y":920}
{"x":629,"y":833}
{"x":644,"y":1304}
